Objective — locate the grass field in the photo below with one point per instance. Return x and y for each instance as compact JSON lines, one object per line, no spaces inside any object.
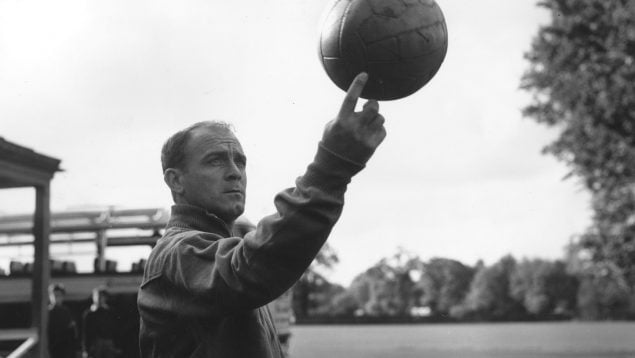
{"x":498,"y":340}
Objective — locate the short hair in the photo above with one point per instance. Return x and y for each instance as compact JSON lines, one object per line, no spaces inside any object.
{"x":101,"y":291}
{"x":57,"y":287}
{"x":173,"y":151}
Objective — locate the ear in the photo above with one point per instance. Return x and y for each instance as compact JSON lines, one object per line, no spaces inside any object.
{"x":174,"y":179}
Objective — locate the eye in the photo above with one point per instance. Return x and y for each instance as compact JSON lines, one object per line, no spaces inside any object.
{"x":240,"y":161}
{"x":215,"y":161}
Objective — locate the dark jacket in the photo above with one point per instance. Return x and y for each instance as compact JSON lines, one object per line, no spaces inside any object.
{"x":100,"y":325}
{"x":62,"y":332}
{"x":204,"y":293}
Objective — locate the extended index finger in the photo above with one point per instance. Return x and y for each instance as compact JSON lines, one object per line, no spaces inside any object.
{"x":352,"y":95}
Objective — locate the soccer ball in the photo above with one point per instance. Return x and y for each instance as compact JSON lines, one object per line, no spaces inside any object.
{"x":399,"y":43}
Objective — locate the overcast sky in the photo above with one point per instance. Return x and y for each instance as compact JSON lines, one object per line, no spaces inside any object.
{"x":102,"y":84}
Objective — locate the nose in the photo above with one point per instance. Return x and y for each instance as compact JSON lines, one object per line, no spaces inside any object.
{"x":233,"y":171}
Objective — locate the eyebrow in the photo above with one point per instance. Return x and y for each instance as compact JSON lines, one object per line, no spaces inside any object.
{"x":217,"y":153}
{"x":240,"y":156}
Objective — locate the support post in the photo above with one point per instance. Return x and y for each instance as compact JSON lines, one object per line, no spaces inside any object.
{"x":102,"y":242}
{"x":41,"y":269}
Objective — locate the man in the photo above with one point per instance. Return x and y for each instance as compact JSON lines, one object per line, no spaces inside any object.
{"x":62,"y":330}
{"x":204,"y":292}
{"x":100,"y":327}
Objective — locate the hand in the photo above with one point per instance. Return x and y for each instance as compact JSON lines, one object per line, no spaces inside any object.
{"x":355,"y":135}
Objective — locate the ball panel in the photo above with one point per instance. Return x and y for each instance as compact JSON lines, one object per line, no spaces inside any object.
{"x":423,"y":41}
{"x":387,"y":50}
{"x":330,"y":37}
{"x":373,"y":90}
{"x":390,"y":89}
{"x":395,"y":90}
{"x":415,"y":18}
{"x":387,"y":8}
{"x":339,"y":72}
{"x":353,"y":48}
{"x":427,"y":12}
{"x":376,"y":28}
{"x":390,"y":71}
{"x":398,"y":79}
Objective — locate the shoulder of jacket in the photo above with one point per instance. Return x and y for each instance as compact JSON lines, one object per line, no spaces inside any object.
{"x":179,"y":239}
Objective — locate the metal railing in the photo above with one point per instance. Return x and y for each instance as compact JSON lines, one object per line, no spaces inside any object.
{"x":28,"y":334}
{"x":87,"y":221}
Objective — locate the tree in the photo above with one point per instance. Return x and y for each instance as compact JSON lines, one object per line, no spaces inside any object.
{"x":388,"y":287}
{"x":603,"y":291}
{"x":313,"y":290}
{"x":489,"y":297}
{"x":603,"y":296}
{"x":344,"y":304}
{"x":544,"y":287}
{"x":581,"y":74}
{"x":444,"y":284}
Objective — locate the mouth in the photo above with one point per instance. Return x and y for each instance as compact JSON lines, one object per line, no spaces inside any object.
{"x":234,"y":191}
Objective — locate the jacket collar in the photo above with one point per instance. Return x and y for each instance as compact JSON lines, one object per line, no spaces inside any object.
{"x":195,"y":218}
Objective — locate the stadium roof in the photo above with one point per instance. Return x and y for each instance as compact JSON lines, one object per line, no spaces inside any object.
{"x":23,"y":167}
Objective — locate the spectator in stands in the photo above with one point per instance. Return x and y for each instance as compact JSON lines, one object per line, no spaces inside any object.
{"x":62,"y":329}
{"x":100,"y":327}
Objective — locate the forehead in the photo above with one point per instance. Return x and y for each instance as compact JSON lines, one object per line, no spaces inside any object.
{"x":210,"y":139}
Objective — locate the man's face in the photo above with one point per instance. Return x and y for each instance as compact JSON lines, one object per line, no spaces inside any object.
{"x":56,"y":297}
{"x":99,"y":298}
{"x":213,"y":176}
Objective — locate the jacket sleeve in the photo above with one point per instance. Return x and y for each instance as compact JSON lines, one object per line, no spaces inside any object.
{"x":236,"y":274}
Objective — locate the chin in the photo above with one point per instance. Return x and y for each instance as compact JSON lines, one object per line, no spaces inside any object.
{"x":230,"y":217}
{"x":239,"y":212}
